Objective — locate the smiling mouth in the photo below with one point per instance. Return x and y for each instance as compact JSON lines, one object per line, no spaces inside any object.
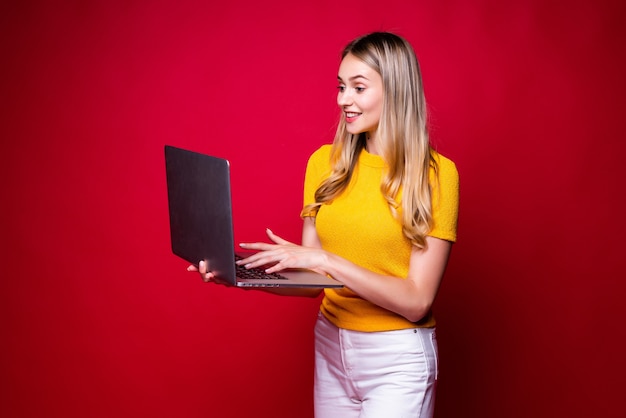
{"x":352,"y":114}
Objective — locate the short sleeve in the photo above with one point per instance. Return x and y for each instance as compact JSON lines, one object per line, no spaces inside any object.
{"x":317,"y":170}
{"x":445,"y":199}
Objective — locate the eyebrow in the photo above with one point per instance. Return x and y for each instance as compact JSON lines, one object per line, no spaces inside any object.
{"x":354,"y":77}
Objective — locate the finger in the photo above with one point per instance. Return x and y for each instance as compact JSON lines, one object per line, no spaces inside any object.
{"x":207,"y":277}
{"x":256,"y":260}
{"x":275,"y":268}
{"x":192,"y":268}
{"x":282,"y":264}
{"x":260,"y":246}
{"x":276,"y":238}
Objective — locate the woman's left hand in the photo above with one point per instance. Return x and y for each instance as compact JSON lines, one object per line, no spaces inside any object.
{"x":283,"y":254}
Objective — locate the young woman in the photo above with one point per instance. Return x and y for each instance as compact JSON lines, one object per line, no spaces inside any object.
{"x":380,"y":214}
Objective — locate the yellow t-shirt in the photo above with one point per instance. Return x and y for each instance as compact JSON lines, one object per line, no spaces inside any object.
{"x":359,"y":227}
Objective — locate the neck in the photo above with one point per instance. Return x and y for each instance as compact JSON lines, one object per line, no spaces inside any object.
{"x":371,"y":144}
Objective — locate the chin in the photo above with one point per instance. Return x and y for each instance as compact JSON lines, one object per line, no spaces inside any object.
{"x":354,"y":131}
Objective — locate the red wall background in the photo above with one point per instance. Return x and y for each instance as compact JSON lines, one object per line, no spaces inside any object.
{"x":99,"y":319}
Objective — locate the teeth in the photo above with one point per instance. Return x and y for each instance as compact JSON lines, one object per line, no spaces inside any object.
{"x":351,"y":114}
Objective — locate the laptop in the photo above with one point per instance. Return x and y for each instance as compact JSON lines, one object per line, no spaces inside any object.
{"x":201,"y":224}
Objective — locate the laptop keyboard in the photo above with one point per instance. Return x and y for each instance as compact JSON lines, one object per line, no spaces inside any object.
{"x":255,"y":273}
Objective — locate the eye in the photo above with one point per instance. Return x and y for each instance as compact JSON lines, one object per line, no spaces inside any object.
{"x":341,"y":88}
{"x":359,"y":89}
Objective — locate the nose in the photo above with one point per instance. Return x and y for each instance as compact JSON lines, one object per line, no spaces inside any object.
{"x":344,"y":98}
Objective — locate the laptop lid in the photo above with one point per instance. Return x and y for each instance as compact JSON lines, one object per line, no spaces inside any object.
{"x":199,"y":201}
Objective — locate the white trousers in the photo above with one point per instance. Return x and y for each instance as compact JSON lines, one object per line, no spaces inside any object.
{"x":389,"y":374}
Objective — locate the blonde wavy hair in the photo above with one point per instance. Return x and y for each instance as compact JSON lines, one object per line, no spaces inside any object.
{"x":403,"y":136}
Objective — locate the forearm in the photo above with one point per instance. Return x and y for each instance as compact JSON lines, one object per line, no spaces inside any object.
{"x":411,"y":296}
{"x":395,"y":294}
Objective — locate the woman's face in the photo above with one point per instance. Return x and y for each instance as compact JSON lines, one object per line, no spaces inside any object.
{"x":360,"y":96}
